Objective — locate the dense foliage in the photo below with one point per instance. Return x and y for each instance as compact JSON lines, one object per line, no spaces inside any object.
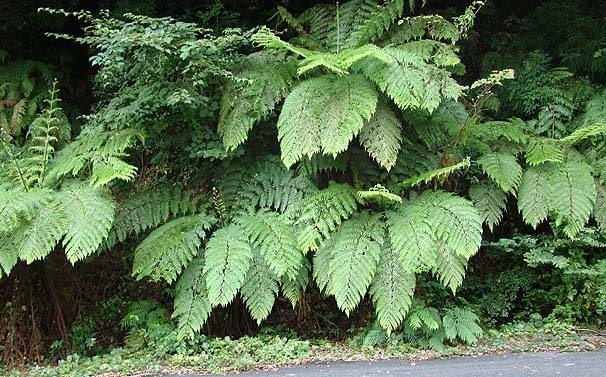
{"x":361,"y":157}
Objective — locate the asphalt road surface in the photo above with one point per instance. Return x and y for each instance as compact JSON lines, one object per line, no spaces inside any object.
{"x":552,"y":364}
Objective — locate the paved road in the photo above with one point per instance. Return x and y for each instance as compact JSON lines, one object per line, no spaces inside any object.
{"x":583,"y":364}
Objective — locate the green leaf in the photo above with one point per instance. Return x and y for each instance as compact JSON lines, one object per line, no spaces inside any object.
{"x":490,"y":201}
{"x":260,"y":288}
{"x":228,"y":257}
{"x":381,"y":136}
{"x":450,"y":267}
{"x":192,"y":306}
{"x":534,"y":193}
{"x":38,"y":237}
{"x":542,"y":150}
{"x":89,"y":214}
{"x":440,"y":174}
{"x":503,"y":169}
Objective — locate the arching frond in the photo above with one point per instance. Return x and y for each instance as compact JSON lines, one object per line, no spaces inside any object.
{"x":490,"y":201}
{"x":192,"y":307}
{"x":275,"y":241}
{"x":355,"y":255}
{"x":89,"y":214}
{"x":381,"y":136}
{"x":166,"y":251}
{"x":450,"y":267}
{"x":534,"y":193}
{"x":324,"y":114}
{"x":439,"y":174}
{"x":377,"y":23}
{"x":38,"y":237}
{"x":228,"y":257}
{"x":542,"y":150}
{"x":260,"y":288}
{"x":503,"y":169}
{"x":392,"y":289}
{"x":292,"y":289}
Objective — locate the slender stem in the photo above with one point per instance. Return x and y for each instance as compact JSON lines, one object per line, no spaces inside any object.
{"x":48,"y":130}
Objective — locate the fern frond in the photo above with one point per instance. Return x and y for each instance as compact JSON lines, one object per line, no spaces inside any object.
{"x":534,"y":193}
{"x":292,"y":289}
{"x":228,"y":257}
{"x":38,"y":237}
{"x":321,"y":264}
{"x":461,"y":323}
{"x":147,"y":209}
{"x":513,"y":130}
{"x":318,"y":215}
{"x":440,"y":174}
{"x":380,"y":195}
{"x":455,"y":221}
{"x":377,"y":23}
{"x":9,"y":252}
{"x":260,"y":288}
{"x":253,"y":97}
{"x":598,"y":128}
{"x":542,"y":150}
{"x":341,"y":62}
{"x":412,"y":237}
{"x":275,"y":241}
{"x":320,"y":22}
{"x":410,"y":82}
{"x":572,"y":195}
{"x":192,"y":307}
{"x":381,"y":136}
{"x":355,"y":255}
{"x":599,"y":209}
{"x":324,"y":114}
{"x":392,"y":289}
{"x":168,"y":249}
{"x":450,"y":267}
{"x":17,"y":206}
{"x":503,"y":169}
{"x":267,"y":39}
{"x":89,"y":214}
{"x":433,"y":26}
{"x":490,"y":201}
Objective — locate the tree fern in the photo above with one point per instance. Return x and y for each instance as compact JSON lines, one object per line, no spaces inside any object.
{"x":166,"y":251}
{"x":490,"y":201}
{"x":440,"y":174}
{"x":381,"y":136}
{"x":355,"y":255}
{"x":275,"y":241}
{"x":323,"y":114}
{"x":17,"y":206}
{"x":392,"y":289}
{"x":228,"y":257}
{"x":318,"y":215}
{"x":260,"y":288}
{"x":192,"y":307}
{"x":503,"y":169}
{"x":89,"y":214}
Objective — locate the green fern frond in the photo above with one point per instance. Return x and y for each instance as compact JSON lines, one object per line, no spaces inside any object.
{"x":490,"y":201}
{"x":598,"y":128}
{"x":267,"y":39}
{"x":410,"y":82}
{"x":263,"y":83}
{"x":260,"y":288}
{"x":376,"y":24}
{"x":513,"y":130}
{"x":89,"y":217}
{"x":542,"y":150}
{"x":412,"y":237}
{"x":463,"y":324}
{"x":380,"y":195}
{"x":503,"y":169}
{"x":275,"y":241}
{"x":228,"y":257}
{"x":599,"y":209}
{"x":292,"y":289}
{"x":439,"y":174}
{"x":17,"y":206}
{"x":147,"y":209}
{"x":355,"y":255}
{"x":320,"y":23}
{"x":168,"y":249}
{"x":381,"y":136}
{"x":534,"y":193}
{"x":317,"y":216}
{"x":572,"y":196}
{"x":450,"y":267}
{"x":192,"y":307}
{"x":321,"y":265}
{"x":9,"y":252}
{"x":38,"y":237}
{"x":323,"y":114}
{"x":392,"y":289}
{"x":455,"y":221}
{"x":433,"y":26}
{"x":340,"y":63}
